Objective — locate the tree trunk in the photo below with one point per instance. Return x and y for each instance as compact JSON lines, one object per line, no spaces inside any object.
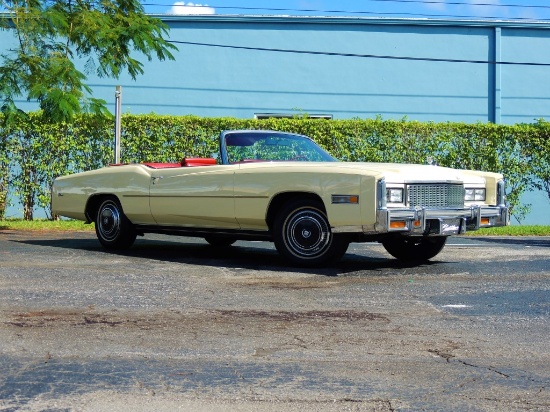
{"x":3,"y":192}
{"x":28,"y":197}
{"x":3,"y":200}
{"x":28,"y":208}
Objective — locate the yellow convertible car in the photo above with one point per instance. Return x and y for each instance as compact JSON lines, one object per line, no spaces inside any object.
{"x":282,"y":187}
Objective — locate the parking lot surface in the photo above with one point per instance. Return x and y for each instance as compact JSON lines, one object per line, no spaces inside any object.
{"x":176,"y":324}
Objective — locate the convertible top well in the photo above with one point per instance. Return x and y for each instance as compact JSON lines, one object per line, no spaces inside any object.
{"x":185,"y":162}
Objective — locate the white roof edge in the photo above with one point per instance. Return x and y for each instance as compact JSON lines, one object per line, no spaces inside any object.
{"x":535,"y":24}
{"x":355,"y":20}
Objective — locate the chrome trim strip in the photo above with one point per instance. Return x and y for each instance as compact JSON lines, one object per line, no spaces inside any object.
{"x":381,"y":194}
{"x":347,"y":229}
{"x":501,"y":192}
{"x":199,"y":196}
{"x":189,"y":196}
{"x":382,"y":221}
{"x":431,"y":182}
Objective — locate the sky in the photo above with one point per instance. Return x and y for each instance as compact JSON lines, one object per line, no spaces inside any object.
{"x":520,"y":10}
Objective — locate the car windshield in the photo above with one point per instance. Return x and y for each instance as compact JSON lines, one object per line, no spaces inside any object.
{"x":245,"y":147}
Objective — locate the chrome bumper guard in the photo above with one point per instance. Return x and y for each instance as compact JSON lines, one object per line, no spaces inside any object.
{"x":440,"y":222}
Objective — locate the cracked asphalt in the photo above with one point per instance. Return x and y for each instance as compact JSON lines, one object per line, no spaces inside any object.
{"x":175,"y":324}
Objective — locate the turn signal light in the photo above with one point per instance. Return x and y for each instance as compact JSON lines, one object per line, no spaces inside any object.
{"x":339,"y":199}
{"x":398,"y":225}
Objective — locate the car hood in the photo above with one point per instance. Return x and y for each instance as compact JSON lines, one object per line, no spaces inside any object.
{"x":391,"y":172}
{"x":404,"y":173}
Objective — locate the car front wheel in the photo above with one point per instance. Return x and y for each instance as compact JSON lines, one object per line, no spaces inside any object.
{"x":302,"y":234}
{"x":415,"y":249}
{"x":112,"y":227}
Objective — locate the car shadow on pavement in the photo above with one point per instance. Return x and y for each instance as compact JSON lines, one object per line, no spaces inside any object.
{"x":242,"y":255}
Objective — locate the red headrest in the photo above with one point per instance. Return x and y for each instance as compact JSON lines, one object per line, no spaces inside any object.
{"x":198,"y":161}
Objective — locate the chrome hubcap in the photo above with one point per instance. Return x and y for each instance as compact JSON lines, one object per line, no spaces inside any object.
{"x":307,"y":234}
{"x":109,"y":222}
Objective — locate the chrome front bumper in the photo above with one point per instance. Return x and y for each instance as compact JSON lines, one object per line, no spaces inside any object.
{"x":439,"y":222}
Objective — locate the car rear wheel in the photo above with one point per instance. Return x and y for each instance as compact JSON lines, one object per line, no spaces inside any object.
{"x":220,"y":241}
{"x":302,"y":234}
{"x":112,"y":227}
{"x":415,"y":249}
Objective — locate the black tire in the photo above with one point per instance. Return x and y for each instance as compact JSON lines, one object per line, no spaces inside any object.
{"x":302,"y":234}
{"x":415,"y":248}
{"x":220,"y":241}
{"x":112,"y":227}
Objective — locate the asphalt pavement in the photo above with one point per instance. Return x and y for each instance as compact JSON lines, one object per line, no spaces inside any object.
{"x":175,"y":324}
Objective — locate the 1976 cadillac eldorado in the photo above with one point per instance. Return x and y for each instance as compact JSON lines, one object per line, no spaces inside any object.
{"x":282,"y":187}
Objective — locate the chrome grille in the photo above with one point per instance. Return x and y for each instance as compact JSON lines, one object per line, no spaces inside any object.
{"x":435,"y":195}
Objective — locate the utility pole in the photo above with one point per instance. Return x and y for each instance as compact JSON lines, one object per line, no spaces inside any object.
{"x":118,"y":106}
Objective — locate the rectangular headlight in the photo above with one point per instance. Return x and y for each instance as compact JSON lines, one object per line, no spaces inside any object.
{"x":480,"y":194}
{"x":474,"y":195}
{"x":394,"y":195}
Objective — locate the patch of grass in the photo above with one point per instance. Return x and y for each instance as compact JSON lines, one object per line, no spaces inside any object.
{"x":45,"y":225}
{"x":533,"y":230}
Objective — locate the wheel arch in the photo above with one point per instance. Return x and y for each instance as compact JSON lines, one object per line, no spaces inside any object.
{"x":93,"y":204}
{"x":279,"y":200}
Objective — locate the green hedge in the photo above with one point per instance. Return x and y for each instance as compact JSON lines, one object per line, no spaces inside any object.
{"x":34,"y":152}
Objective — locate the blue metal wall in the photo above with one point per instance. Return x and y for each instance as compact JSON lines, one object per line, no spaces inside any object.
{"x":525,"y":88}
{"x":216,"y":81}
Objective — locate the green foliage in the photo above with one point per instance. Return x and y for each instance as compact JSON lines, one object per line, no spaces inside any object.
{"x":538,"y":147}
{"x":33,"y":151}
{"x":37,"y":151}
{"x":39,"y":225}
{"x":520,"y":230}
{"x":49,"y":35}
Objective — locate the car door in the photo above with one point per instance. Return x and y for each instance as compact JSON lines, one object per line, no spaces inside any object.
{"x":199,"y":197}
